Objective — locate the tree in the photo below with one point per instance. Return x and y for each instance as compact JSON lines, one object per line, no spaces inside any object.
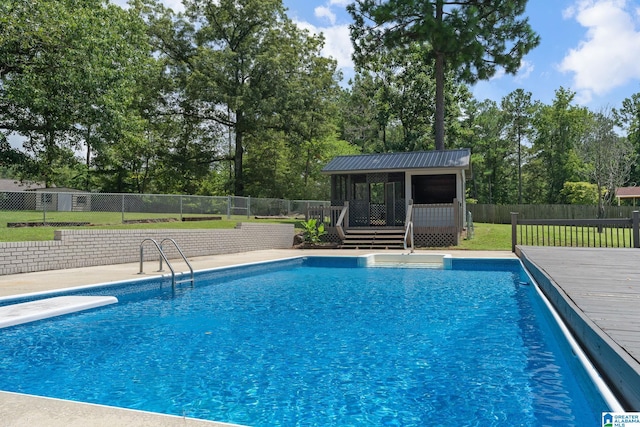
{"x":628,"y":118}
{"x":557,"y":131}
{"x":492,"y":153}
{"x":581,"y":193}
{"x":66,"y":68}
{"x":396,"y":94}
{"x":608,"y":155}
{"x":9,"y":156}
{"x":518,"y":110}
{"x":469,"y":38}
{"x":359,"y":114}
{"x":243,"y":65}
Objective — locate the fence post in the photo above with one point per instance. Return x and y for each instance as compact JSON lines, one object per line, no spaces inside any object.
{"x":123,"y":208}
{"x":636,"y":228}
{"x":514,"y":230}
{"x":248,"y":206}
{"x":44,"y":206}
{"x":228,"y":207}
{"x":181,"y":207}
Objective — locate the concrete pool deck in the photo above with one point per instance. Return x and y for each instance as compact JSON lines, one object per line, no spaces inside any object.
{"x":19,"y":410}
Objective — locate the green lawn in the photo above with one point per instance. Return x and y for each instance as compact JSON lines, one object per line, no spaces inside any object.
{"x":108,"y":220}
{"x":486,"y":237}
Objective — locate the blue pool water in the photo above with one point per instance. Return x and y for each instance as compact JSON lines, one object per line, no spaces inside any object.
{"x":315,"y":343}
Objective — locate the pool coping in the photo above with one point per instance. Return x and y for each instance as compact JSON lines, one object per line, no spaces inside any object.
{"x":21,"y":410}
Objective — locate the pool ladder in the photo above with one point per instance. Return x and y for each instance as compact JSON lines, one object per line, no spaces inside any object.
{"x":163,"y":256}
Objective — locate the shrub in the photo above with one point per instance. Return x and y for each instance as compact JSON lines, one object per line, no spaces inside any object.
{"x":312,"y":231}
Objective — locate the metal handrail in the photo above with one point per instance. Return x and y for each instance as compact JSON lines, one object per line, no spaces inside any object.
{"x":408,"y":224}
{"x":184,"y":258}
{"x":163,"y":256}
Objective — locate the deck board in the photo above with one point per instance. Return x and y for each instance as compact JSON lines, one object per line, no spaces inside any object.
{"x":597,"y":292}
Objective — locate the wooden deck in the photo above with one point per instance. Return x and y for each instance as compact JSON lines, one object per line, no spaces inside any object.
{"x":597,"y":292}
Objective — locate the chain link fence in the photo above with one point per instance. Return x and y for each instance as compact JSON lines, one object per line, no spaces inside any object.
{"x":48,"y":206}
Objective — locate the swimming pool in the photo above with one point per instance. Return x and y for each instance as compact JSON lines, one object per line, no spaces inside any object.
{"x":316,"y":341}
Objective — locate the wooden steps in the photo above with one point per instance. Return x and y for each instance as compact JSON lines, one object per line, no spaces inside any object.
{"x":374,"y":238}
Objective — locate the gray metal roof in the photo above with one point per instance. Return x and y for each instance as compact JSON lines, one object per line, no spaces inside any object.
{"x":17,"y":185}
{"x":458,"y":159}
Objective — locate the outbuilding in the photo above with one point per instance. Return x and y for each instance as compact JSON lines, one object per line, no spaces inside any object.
{"x":628,"y":193}
{"x":379,"y":200}
{"x":63,"y":199}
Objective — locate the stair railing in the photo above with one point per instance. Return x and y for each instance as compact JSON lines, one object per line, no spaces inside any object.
{"x":343,"y":213}
{"x":408,"y":227}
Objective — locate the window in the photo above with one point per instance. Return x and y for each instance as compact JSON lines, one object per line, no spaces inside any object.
{"x":429,"y":189}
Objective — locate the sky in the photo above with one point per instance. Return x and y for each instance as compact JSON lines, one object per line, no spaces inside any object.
{"x":591,"y":47}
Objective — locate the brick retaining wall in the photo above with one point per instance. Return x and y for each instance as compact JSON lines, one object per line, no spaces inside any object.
{"x":86,"y":247}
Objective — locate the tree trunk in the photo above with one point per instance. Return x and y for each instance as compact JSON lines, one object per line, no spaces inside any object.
{"x":439,"y":125}
{"x":519,"y":166}
{"x":384,"y":138}
{"x":88,"y":159}
{"x":238,"y":184}
{"x":49,"y":155}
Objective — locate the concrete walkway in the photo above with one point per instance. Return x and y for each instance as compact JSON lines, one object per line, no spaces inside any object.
{"x":18,"y":410}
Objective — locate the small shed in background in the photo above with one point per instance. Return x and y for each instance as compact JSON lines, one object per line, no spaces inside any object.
{"x":63,"y":199}
{"x":373,"y":194}
{"x":29,"y":195}
{"x":628,"y":193}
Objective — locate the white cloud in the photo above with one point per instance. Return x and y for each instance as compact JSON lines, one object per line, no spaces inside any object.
{"x":525,"y":70}
{"x":176,"y":5}
{"x":500,"y":73}
{"x":607,"y":57}
{"x":325,"y":12}
{"x":343,"y":3}
{"x":337,"y":42}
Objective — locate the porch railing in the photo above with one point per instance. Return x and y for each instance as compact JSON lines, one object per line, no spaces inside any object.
{"x":435,"y":215}
{"x":442,"y":220}
{"x":328,"y":215}
{"x":597,"y":233}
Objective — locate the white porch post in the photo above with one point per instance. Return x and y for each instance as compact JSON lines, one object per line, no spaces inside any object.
{"x":407,"y":189}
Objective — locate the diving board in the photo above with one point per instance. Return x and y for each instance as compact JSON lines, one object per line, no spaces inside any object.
{"x":31,"y":311}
